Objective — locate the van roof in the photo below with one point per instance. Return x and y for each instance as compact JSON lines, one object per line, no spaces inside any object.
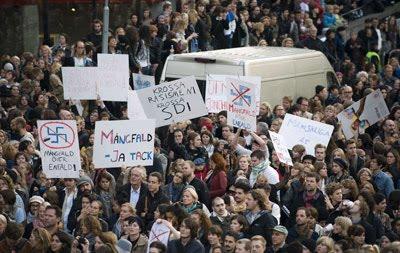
{"x":239,"y":55}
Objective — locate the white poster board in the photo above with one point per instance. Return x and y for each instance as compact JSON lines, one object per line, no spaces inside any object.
{"x":78,"y":83}
{"x":281,"y":148}
{"x":216,"y":96}
{"x":111,"y":86}
{"x":306,"y":132}
{"x":362,"y":114}
{"x":241,"y":104}
{"x":159,"y":232}
{"x":123,"y":142}
{"x":142,"y":81}
{"x":59,"y":148}
{"x":173,"y":101}
{"x":135,"y":108}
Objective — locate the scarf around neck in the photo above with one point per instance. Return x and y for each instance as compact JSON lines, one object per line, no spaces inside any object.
{"x":258,"y":168}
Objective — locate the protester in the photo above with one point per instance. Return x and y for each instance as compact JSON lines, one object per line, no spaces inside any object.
{"x":346,"y":189}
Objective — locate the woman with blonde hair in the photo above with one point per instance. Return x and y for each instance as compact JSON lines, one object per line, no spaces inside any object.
{"x":40,"y":240}
{"x":340,"y":228}
{"x":3,"y":225}
{"x":196,"y":28}
{"x":265,"y":114}
{"x":257,"y":35}
{"x":190,"y":201}
{"x":325,"y":245}
{"x":126,"y":210}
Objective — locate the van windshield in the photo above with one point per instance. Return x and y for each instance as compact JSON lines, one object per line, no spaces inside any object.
{"x":200,"y":83}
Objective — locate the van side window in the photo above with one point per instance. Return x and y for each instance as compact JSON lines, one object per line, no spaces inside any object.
{"x":331,"y":79}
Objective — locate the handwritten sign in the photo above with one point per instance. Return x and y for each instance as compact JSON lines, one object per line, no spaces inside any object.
{"x":217,"y":91}
{"x":129,"y":142}
{"x":159,"y":232}
{"x":142,"y":81}
{"x":281,"y":148}
{"x":173,"y":101}
{"x":242,"y":104}
{"x":359,"y":116}
{"x":135,"y":108}
{"x":298,"y":130}
{"x":59,"y":148}
{"x":78,"y":83}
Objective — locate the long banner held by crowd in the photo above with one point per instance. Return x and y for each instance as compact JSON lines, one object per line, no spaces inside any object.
{"x":362,"y":114}
{"x":59,"y":148}
{"x":306,"y":132}
{"x":241,"y":104}
{"x":217,"y":91}
{"x":281,"y":148}
{"x":173,"y":101}
{"x":123,"y":142}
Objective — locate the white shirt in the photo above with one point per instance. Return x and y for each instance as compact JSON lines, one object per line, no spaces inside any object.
{"x":270,"y":173}
{"x":67,"y":205}
{"x":134,"y":196}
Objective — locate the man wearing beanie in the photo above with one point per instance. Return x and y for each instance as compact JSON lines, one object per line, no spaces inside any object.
{"x":85,"y":187}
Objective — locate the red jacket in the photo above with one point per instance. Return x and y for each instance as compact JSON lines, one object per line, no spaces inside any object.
{"x":217,"y":184}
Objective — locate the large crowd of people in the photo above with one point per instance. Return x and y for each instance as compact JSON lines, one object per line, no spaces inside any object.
{"x":217,"y":189}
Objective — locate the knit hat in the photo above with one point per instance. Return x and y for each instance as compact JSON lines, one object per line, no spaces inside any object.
{"x":342,"y":163}
{"x":8,"y":66}
{"x":124,"y":246}
{"x":85,"y":179}
{"x":318,"y":89}
{"x":36,"y":199}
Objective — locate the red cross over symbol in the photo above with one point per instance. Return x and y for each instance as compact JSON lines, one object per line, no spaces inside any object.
{"x":158,"y":236}
{"x":241,"y":94}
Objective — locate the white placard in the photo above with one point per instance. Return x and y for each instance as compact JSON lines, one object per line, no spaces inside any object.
{"x":59,"y":148}
{"x":123,"y":142}
{"x":306,"y":132}
{"x":362,"y":114}
{"x":173,"y":101}
{"x":142,"y":81}
{"x":111,"y":86}
{"x":78,"y":83}
{"x":135,"y":108}
{"x":281,"y":148}
{"x":118,"y":64}
{"x":159,"y":232}
{"x":241,"y":104}
{"x":216,"y":96}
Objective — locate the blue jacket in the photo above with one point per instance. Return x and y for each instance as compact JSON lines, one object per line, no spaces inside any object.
{"x":384,"y":183}
{"x":329,"y":19}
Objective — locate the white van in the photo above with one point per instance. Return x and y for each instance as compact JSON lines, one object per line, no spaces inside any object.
{"x":284,"y":71}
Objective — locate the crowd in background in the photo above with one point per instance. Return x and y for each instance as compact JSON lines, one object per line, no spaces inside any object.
{"x":218,"y":189}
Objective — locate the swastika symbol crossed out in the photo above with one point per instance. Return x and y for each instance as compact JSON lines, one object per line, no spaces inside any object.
{"x":57,"y":136}
{"x":240,"y":95}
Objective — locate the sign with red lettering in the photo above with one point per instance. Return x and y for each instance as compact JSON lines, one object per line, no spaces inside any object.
{"x":217,"y":91}
{"x":241,"y":104}
{"x":123,"y":142}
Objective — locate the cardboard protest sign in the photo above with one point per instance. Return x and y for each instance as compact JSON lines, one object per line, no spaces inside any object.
{"x":242,"y":104}
{"x":123,"y":142}
{"x":298,"y":130}
{"x":111,"y":86}
{"x":135,"y":108}
{"x":159,"y":232}
{"x":281,"y":148}
{"x":362,"y":114}
{"x":217,"y":91}
{"x":78,"y":83}
{"x":116,"y":68}
{"x":142,"y":81}
{"x":173,"y":101}
{"x":59,"y":148}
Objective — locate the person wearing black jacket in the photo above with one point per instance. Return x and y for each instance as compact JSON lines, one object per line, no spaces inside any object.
{"x":187,"y":242}
{"x":188,"y":168}
{"x":261,"y":222}
{"x":310,"y":197}
{"x":154,"y":198}
{"x":219,"y":24}
{"x":135,"y":191}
